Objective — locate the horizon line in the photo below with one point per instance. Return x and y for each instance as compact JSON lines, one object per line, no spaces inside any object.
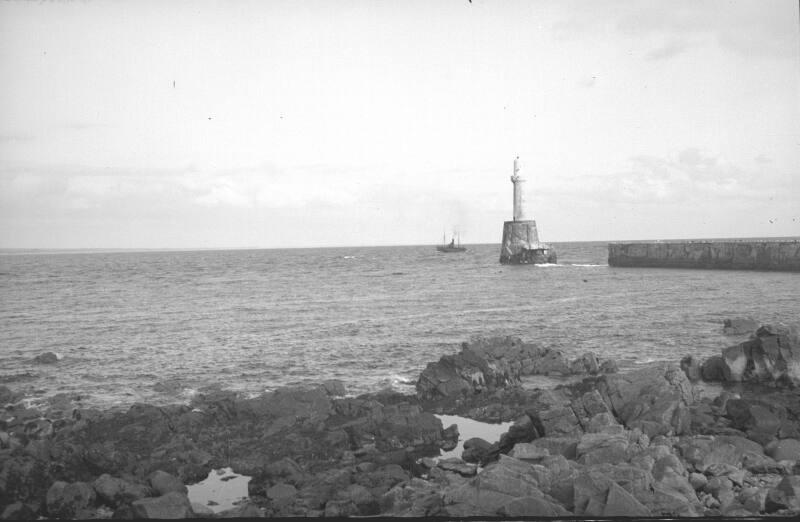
{"x":56,"y":250}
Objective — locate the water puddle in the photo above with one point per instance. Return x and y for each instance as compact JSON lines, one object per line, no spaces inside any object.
{"x":221,"y":490}
{"x":468,"y":429}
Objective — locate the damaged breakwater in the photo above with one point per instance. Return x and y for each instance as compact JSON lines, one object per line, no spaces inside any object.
{"x":641,"y":443}
{"x":732,"y":255}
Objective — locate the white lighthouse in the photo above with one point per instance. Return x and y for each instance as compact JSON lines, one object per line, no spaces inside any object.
{"x":520,"y":237}
{"x":519,"y":198}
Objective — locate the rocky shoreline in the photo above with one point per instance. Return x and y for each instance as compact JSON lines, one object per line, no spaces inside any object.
{"x":641,"y":443}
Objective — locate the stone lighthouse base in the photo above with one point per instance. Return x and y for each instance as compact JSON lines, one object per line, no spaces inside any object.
{"x":521,"y":245}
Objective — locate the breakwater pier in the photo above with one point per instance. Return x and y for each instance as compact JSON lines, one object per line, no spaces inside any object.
{"x":731,"y":255}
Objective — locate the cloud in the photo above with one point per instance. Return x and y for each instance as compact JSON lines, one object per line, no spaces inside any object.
{"x":690,"y":177}
{"x":15,"y":138}
{"x":747,"y":28}
{"x":670,"y":50}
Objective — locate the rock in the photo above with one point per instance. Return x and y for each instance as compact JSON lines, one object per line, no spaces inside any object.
{"x":620,"y":503}
{"x":739,"y":326}
{"x":608,"y":366}
{"x":509,"y":476}
{"x":673,"y":495}
{"x":450,"y":437}
{"x":17,"y":511}
{"x":68,"y":500}
{"x":655,"y":400}
{"x":457,"y":465}
{"x":281,"y":492}
{"x":245,"y":510}
{"x":479,"y":451}
{"x":591,"y":492}
{"x":340,"y":508}
{"x":46,"y":358}
{"x":366,"y":503}
{"x":698,"y":481}
{"x":557,"y":421}
{"x":587,"y":363}
{"x":522,"y":430}
{"x":115,"y":492}
{"x":753,"y":499}
{"x":170,"y":505}
{"x":201,"y":511}
{"x":565,"y":446}
{"x":713,"y":369}
{"x":692,"y":367}
{"x":528,"y":452}
{"x":602,"y":448}
{"x":760,"y":424}
{"x":532,"y":507}
{"x":786,"y":449}
{"x":786,"y":495}
{"x":772,"y":354}
{"x":600,"y":422}
{"x":334,"y":387}
{"x":163,"y":483}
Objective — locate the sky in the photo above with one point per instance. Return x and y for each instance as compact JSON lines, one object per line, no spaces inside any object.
{"x":236,"y":124}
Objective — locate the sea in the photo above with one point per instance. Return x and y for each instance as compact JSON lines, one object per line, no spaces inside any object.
{"x":161,"y":326}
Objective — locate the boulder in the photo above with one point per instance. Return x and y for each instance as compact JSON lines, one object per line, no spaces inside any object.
{"x":170,"y":505}
{"x":115,"y":492}
{"x":602,"y":448}
{"x":533,"y":507}
{"x":528,"y":452}
{"x":786,"y":495}
{"x":479,"y":451}
{"x":673,"y":495}
{"x":46,"y":358}
{"x":457,"y":465}
{"x":244,"y":510}
{"x":163,"y":483}
{"x":201,"y":511}
{"x":757,"y":420}
{"x":771,"y":354}
{"x":655,"y":400}
{"x":281,"y":493}
{"x":739,"y":326}
{"x":510,"y":476}
{"x":786,"y":449}
{"x":591,"y":492}
{"x":365,"y":502}
{"x":522,"y":430}
{"x":450,"y":437}
{"x":483,"y":365}
{"x":334,"y":388}
{"x":713,"y":369}
{"x":620,"y":503}
{"x":564,"y":446}
{"x":692,"y":367}
{"x":587,"y":363}
{"x":556,"y":421}
{"x":18,"y":511}
{"x":68,"y":500}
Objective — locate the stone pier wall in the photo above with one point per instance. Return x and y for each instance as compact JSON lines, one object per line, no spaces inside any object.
{"x":733,"y":255}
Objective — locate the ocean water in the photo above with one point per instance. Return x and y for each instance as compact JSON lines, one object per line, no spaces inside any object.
{"x":159,"y":326}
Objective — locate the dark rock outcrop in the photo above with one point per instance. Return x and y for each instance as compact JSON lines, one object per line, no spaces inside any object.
{"x":46,"y":358}
{"x":739,"y":326}
{"x":487,"y":364}
{"x":772,"y":354}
